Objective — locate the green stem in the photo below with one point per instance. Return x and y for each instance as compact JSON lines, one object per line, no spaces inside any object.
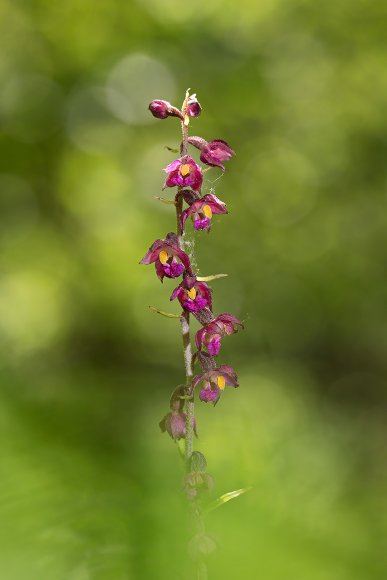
{"x":184,"y":319}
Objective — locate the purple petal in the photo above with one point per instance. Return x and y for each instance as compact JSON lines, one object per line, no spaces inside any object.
{"x":153,"y":252}
{"x":195,"y":305}
{"x":176,"y":293}
{"x":172,"y":166}
{"x":228,"y":318}
{"x":205,"y":291}
{"x":183,"y":218}
{"x":176,"y":251}
{"x":202,"y":224}
{"x":229,"y":374}
{"x":197,"y":379}
{"x":173,"y":270}
{"x":173,"y":179}
{"x":199,"y":337}
{"x":160,"y":270}
{"x":209,"y":395}
{"x":172,"y":239}
{"x":213,"y":346}
{"x":217,"y":205}
{"x":196,"y":178}
{"x":215,"y":152}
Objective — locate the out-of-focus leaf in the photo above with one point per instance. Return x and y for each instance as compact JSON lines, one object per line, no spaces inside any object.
{"x":227,"y":497}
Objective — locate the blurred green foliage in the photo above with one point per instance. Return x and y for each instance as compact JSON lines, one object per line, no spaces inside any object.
{"x":89,"y":488}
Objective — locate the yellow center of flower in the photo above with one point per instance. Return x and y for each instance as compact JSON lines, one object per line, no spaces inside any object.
{"x":221,"y":382}
{"x":207,"y":211}
{"x":184,"y":170}
{"x":163,"y":257}
{"x":192,"y":293}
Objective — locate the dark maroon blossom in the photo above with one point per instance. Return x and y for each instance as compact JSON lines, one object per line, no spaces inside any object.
{"x":210,"y":336}
{"x":214,"y":382}
{"x":170,"y":260}
{"x":213,"y":152}
{"x":201,"y":211}
{"x":193,"y":107}
{"x":175,"y":424}
{"x":184,"y":172}
{"x":193,"y":295}
{"x":162,"y":109}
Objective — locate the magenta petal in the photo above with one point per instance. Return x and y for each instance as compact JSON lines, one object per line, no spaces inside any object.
{"x":172,"y":179}
{"x":195,"y":305}
{"x":229,"y":374}
{"x":227,"y":369}
{"x":199,"y":337}
{"x":176,"y":293}
{"x":225,"y":317}
{"x":172,"y":166}
{"x":183,"y":218}
{"x":215,"y":152}
{"x":209,"y":395}
{"x":159,"y":270}
{"x":196,"y":178}
{"x":213,"y":346}
{"x":197,"y":379}
{"x":173,"y":270}
{"x":217,"y":205}
{"x":205,"y":291}
{"x":153,"y":252}
{"x":202,"y":224}
{"x":183,"y":258}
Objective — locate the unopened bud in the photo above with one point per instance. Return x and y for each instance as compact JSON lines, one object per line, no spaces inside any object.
{"x":174,"y":424}
{"x":193,"y":107}
{"x":201,"y":545}
{"x":163,"y":109}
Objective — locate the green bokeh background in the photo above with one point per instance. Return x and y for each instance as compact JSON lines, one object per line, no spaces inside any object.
{"x":89,"y":488}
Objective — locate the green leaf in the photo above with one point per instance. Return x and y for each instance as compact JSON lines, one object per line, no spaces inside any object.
{"x":166,"y":314}
{"x":164,"y":200}
{"x":209,"y":278}
{"x":227,"y":497}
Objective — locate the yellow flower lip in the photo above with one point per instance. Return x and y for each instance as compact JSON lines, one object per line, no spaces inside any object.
{"x":163,"y":257}
{"x":192,"y":293}
{"x":221,"y":382}
{"x":207,"y":211}
{"x":184,"y":170}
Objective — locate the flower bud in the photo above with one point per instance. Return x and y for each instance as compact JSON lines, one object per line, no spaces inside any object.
{"x":197,"y":483}
{"x":159,"y":109}
{"x":174,"y":424}
{"x":193,"y":107}
{"x":201,"y":545}
{"x":163,"y":109}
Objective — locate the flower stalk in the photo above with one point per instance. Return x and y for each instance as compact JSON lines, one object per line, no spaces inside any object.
{"x":193,"y":293}
{"x":185,"y":317}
